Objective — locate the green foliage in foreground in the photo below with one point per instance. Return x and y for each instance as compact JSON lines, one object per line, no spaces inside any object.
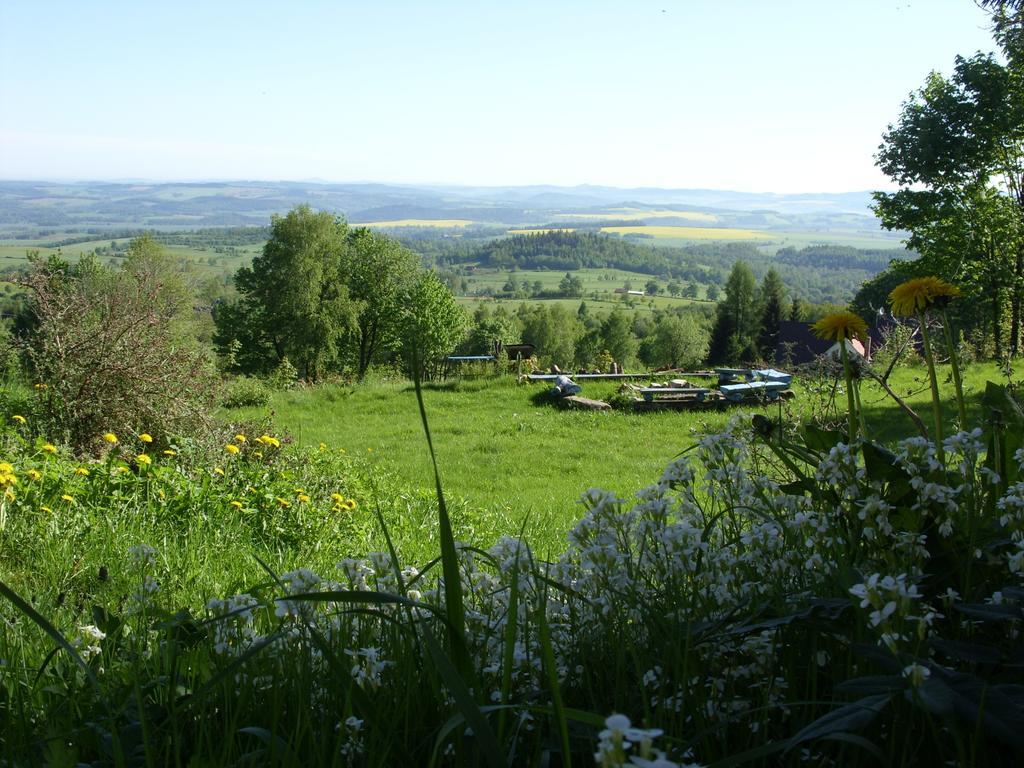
{"x":775,"y":597}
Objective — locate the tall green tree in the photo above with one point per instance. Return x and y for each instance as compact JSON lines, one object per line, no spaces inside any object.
{"x":379,"y":274}
{"x":733,"y":338}
{"x":293,"y":299}
{"x":617,"y":337}
{"x":773,"y":310}
{"x":956,"y":148}
{"x":552,"y":330}
{"x":571,"y":286}
{"x":679,"y":341}
{"x":432,"y":324}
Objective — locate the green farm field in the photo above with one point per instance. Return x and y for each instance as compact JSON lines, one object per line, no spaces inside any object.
{"x":592,"y":279}
{"x":509,"y":461}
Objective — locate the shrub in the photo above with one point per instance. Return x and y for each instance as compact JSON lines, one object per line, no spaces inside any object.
{"x":110,"y":349}
{"x":246,"y":392}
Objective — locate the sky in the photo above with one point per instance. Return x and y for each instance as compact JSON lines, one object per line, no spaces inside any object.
{"x":747,"y":95}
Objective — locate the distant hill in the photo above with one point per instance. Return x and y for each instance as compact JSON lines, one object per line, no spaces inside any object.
{"x":36,"y":204}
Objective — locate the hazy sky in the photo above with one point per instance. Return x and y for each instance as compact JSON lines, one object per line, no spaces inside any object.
{"x":728,"y":94}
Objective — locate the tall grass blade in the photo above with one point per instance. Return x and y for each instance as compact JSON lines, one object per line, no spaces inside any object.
{"x":547,"y":655}
{"x":509,"y":649}
{"x":473,"y":714}
{"x":454,"y":608}
{"x":54,"y":633}
{"x":228,"y":671}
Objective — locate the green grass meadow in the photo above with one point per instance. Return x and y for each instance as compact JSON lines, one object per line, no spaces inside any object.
{"x":512,"y":459}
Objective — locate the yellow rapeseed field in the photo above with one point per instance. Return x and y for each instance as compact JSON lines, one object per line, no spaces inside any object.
{"x":417,"y":223}
{"x":691,"y":233}
{"x":638,"y":214}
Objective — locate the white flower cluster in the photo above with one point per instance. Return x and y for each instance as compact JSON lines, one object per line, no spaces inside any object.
{"x":615,"y":748}
{"x":88,"y":641}
{"x":895,"y":611}
{"x":233,"y":631}
{"x":368,"y":666}
{"x":142,"y":555}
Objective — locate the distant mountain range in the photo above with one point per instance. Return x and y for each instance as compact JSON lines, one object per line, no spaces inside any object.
{"x":174,"y":205}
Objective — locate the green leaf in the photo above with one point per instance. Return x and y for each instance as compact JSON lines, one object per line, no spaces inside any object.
{"x":990,"y":611}
{"x":872,"y":684}
{"x":850,"y":717}
{"x":822,"y":440}
{"x":977,"y":702}
{"x":859,"y":741}
{"x":961,"y":650}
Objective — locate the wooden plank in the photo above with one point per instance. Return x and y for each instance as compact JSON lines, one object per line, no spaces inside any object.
{"x":672,"y":390}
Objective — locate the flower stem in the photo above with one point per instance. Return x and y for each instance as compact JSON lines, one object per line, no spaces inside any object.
{"x":954,"y":362}
{"x":936,"y":403}
{"x":851,"y":404}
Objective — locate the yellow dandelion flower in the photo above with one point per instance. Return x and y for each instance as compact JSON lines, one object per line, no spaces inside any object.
{"x":920,"y":294}
{"x":231,"y":448}
{"x":123,"y":470}
{"x":82,"y":472}
{"x":110,"y":437}
{"x":163,"y":495}
{"x":143,"y":460}
{"x":9,"y":494}
{"x":169,"y":452}
{"x":47,"y":510}
{"x":257,"y":454}
{"x":236,"y":504}
{"x":239,"y":438}
{"x":68,"y":498}
{"x":337,"y":497}
{"x":18,"y":418}
{"x":7,"y":479}
{"x":49,"y":448}
{"x":41,"y":386}
{"x":283,"y":502}
{"x":6,"y":466}
{"x":303,"y":498}
{"x":218,"y":471}
{"x":323,"y":446}
{"x":842,"y":325}
{"x":146,"y":437}
{"x":350,"y":504}
{"x":34,"y":474}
